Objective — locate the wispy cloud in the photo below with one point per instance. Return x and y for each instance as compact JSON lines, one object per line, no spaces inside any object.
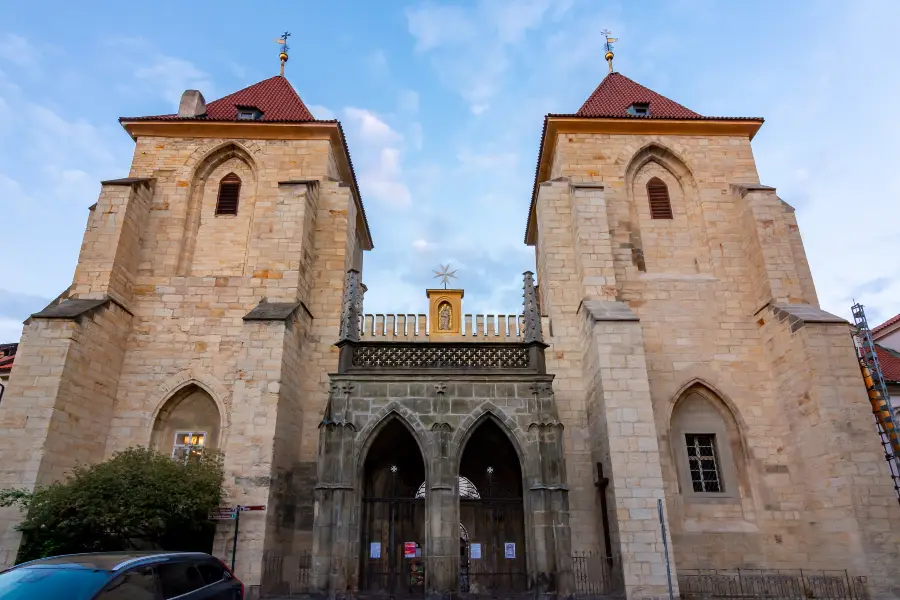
{"x":18,"y":50}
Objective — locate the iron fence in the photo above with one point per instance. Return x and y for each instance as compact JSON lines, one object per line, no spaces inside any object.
{"x":595,"y":574}
{"x":800,"y":584}
{"x":285,"y":575}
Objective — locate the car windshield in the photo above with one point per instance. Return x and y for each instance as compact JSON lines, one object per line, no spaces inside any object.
{"x":50,"y":582}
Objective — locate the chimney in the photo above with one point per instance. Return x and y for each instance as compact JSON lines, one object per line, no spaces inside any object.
{"x":192,"y":104}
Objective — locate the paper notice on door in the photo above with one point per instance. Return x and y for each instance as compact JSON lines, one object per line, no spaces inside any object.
{"x":475,"y":551}
{"x":409,"y":550}
{"x":375,"y":550}
{"x":509,"y":550}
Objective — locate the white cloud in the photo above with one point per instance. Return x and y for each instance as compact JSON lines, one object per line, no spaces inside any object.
{"x":372,"y":129}
{"x":10,"y":330}
{"x":408,"y":101}
{"x":18,"y":50}
{"x":378,"y":153}
{"x":323,"y":113}
{"x":377,"y":63}
{"x":383,"y":180}
{"x":421,"y":245}
{"x":470,"y":47}
{"x":170,"y":77}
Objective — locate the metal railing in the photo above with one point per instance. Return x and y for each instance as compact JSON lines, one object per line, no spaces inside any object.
{"x":285,"y":575}
{"x":595,"y":574}
{"x":776,"y":584}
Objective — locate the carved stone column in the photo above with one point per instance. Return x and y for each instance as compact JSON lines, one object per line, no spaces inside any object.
{"x":442,"y":509}
{"x":549,"y":498}
{"x":532,"y":310}
{"x":335,"y":528}
{"x":352,"y":304}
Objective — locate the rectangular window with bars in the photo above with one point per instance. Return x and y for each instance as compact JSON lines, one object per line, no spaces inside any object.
{"x":188,"y":443}
{"x":703,"y":462}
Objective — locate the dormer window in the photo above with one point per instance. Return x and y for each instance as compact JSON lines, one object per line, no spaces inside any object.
{"x":248,"y":113}
{"x":639,"y":109}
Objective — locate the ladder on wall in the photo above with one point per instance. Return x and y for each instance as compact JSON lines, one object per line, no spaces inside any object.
{"x":878,"y":393}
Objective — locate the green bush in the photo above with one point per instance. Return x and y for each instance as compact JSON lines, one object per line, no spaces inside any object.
{"x":138,"y":499}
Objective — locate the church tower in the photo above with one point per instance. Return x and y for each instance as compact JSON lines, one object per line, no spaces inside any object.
{"x":692,"y":362}
{"x":203,"y":312}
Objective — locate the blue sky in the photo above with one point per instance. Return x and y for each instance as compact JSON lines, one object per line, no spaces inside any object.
{"x":442,"y":103}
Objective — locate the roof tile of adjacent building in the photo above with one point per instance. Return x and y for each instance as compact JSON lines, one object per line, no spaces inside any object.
{"x":275,"y":98}
{"x":890,"y":363}
{"x":886,"y":324}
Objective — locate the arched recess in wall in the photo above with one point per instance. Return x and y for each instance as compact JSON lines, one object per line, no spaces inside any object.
{"x":672,"y":240}
{"x":707,"y":447}
{"x":188,"y":423}
{"x":228,"y":159}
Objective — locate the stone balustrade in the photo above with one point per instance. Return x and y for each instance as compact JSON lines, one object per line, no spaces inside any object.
{"x":414,"y":328}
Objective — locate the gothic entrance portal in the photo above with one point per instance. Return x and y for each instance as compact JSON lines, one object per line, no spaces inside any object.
{"x":492,"y":523}
{"x":393,"y":516}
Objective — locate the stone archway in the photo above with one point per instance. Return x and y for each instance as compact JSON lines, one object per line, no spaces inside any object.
{"x":188,"y":423}
{"x":393,"y":514}
{"x":493,"y":557}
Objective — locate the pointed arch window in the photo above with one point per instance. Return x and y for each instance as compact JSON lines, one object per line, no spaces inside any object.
{"x":660,"y":205}
{"x":229,"y":195}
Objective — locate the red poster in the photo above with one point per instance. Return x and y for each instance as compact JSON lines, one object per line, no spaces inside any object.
{"x":409,"y":550}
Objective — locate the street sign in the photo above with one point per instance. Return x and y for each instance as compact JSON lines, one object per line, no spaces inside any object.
{"x":223,"y":513}
{"x":253,"y":507}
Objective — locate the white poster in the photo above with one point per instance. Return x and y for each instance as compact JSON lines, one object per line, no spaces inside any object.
{"x":509,"y":550}
{"x":375,"y":550}
{"x":475,"y":551}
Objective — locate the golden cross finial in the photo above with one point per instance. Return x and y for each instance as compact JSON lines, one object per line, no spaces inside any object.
{"x":445,"y":274}
{"x":284,"y":49}
{"x":609,"y":47}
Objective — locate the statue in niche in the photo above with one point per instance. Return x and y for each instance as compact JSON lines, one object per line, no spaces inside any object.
{"x":445,"y":316}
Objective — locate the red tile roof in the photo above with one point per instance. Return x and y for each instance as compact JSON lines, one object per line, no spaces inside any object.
{"x":616,"y":93}
{"x":886,"y":324}
{"x":611,"y":100}
{"x":6,"y":364}
{"x":274,"y":97}
{"x":890,"y":363}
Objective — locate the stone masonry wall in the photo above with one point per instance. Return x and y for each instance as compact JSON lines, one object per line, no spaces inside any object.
{"x":188,"y":289}
{"x":739,"y":248}
{"x":57,"y":408}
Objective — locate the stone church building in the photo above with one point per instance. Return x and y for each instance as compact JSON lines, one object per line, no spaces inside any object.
{"x":669,"y":347}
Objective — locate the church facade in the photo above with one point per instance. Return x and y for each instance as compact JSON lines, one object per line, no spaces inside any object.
{"x":670,"y":365}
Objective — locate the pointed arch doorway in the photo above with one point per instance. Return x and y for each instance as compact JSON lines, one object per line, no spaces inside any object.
{"x":393,"y":515}
{"x":492,"y":550}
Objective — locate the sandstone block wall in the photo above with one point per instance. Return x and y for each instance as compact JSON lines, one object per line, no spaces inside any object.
{"x":185,"y":279}
{"x":699,"y":285}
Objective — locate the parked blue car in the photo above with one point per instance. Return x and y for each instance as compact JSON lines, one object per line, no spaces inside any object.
{"x":122,"y":576}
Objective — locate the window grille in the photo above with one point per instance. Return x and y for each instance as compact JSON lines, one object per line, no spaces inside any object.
{"x":229,"y":194}
{"x":703,"y":462}
{"x":660,"y":205}
{"x":188,"y":443}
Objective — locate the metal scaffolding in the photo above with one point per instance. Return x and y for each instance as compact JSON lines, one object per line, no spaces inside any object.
{"x":876,"y":388}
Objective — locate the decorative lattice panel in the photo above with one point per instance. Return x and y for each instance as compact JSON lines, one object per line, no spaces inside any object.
{"x":433,"y":356}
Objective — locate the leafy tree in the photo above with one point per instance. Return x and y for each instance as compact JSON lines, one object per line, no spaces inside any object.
{"x":138,"y":499}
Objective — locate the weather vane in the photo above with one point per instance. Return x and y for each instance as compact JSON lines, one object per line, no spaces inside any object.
{"x":445,"y":274}
{"x":609,"y":47}
{"x":284,"y":49}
